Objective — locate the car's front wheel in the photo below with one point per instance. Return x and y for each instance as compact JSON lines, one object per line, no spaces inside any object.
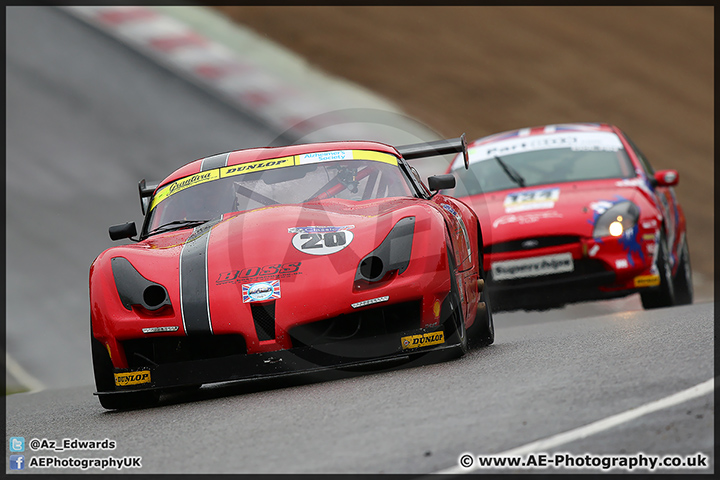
{"x":451,"y":311}
{"x":664,"y":294}
{"x":105,"y":382}
{"x":683,"y":283}
{"x":482,"y":331}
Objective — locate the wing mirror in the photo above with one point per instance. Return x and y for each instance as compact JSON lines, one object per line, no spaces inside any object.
{"x":125,"y":230}
{"x":441,"y":182}
{"x":666,"y":178}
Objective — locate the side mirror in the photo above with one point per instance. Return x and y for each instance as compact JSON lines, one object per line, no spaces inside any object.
{"x":666,"y":178}
{"x":145,"y":190}
{"x":126,"y":230}
{"x":441,"y":182}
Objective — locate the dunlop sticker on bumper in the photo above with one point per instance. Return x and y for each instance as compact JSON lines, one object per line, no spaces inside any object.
{"x":424,"y":340}
{"x":647,"y":281}
{"x":132,"y":378}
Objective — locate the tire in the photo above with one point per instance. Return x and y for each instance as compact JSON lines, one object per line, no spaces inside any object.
{"x":683,"y":283}
{"x":451,"y":311}
{"x":482,"y":332}
{"x":664,"y":294}
{"x":105,"y":382}
{"x":102,"y":366}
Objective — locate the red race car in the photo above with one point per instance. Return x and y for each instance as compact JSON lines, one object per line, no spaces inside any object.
{"x":575,"y":212}
{"x":270,"y":261}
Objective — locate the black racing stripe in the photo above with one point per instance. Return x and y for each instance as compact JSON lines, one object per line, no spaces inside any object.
{"x":216,"y":161}
{"x":194,"y":300}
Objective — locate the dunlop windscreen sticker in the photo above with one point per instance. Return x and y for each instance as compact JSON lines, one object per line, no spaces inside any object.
{"x":257,"y":166}
{"x":132,"y":378}
{"x":424,"y":340}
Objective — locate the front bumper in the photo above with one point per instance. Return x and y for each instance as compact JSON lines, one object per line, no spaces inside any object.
{"x":308,"y":359}
{"x":601,"y":269}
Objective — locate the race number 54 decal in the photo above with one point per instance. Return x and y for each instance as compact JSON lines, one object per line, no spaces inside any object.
{"x":317,"y":240}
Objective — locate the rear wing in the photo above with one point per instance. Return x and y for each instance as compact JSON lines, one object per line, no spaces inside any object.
{"x":146,"y":190}
{"x":438,"y":147}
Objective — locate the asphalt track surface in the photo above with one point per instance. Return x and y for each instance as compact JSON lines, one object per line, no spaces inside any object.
{"x":87,"y":118}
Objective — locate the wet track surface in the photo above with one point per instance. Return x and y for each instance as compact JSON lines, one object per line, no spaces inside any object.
{"x":87,"y":118}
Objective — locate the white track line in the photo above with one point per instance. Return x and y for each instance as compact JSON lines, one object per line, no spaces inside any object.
{"x":22,"y":376}
{"x":541,"y":446}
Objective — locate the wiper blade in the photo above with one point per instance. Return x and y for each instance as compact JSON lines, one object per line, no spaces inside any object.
{"x":176,"y":225}
{"x":511,"y":172}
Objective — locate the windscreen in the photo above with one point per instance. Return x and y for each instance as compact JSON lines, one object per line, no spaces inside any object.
{"x":541,"y":160}
{"x":350,"y":174}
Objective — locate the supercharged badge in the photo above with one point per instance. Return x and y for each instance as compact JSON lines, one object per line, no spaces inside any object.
{"x":132,"y":378}
{"x":424,"y":340}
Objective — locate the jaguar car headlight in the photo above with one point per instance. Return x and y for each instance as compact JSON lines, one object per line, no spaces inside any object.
{"x":616,"y":220}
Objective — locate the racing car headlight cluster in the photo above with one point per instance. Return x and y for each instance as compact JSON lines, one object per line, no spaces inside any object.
{"x":393,"y":254}
{"x":136,"y":290}
{"x":616,"y":220}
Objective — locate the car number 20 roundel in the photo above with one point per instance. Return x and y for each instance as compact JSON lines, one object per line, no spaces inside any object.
{"x":317,"y":240}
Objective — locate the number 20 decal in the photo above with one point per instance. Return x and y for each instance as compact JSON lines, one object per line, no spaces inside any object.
{"x":322,"y":243}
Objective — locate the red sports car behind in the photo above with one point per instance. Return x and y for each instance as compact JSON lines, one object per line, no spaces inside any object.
{"x":575,"y":212}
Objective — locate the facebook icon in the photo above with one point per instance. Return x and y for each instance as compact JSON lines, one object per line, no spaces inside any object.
{"x":17,"y":462}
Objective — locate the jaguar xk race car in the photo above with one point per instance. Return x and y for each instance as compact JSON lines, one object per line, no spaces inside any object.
{"x":270,"y":261}
{"x":572,"y":213}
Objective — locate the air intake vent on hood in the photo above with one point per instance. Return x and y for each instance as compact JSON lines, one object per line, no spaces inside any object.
{"x":264,"y":318}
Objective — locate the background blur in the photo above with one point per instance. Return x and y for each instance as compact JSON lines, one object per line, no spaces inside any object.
{"x":482,"y":70}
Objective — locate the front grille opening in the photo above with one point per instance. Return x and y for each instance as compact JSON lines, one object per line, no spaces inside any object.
{"x":143,"y":352}
{"x":366,"y":323}
{"x":264,"y":318}
{"x":537,"y":242}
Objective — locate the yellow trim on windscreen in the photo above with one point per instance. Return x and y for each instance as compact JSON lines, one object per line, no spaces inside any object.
{"x":269,"y":164}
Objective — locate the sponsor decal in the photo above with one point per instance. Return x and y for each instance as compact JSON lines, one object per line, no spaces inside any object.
{"x":257,"y":166}
{"x":519,"y":143}
{"x":370,"y":302}
{"x":648,"y":236}
{"x":647,"y":281}
{"x":339,"y":155}
{"x":265,"y":272}
{"x":593,"y":251}
{"x":132,"y":378}
{"x":257,"y":292}
{"x":160,"y":329}
{"x":316,"y":229}
{"x":531,"y":200}
{"x":652,"y":223}
{"x":621,"y":263}
{"x":424,"y":340}
{"x":182,"y":184}
{"x":321,"y":240}
{"x":533,"y":266}
{"x":522,"y":219}
{"x":318,"y":157}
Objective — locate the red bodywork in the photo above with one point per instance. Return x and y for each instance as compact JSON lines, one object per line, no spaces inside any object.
{"x":256,"y":246}
{"x":605,"y":267}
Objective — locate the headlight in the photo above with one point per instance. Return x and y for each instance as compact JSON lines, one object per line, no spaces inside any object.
{"x":393,"y":254}
{"x":616,"y":220}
